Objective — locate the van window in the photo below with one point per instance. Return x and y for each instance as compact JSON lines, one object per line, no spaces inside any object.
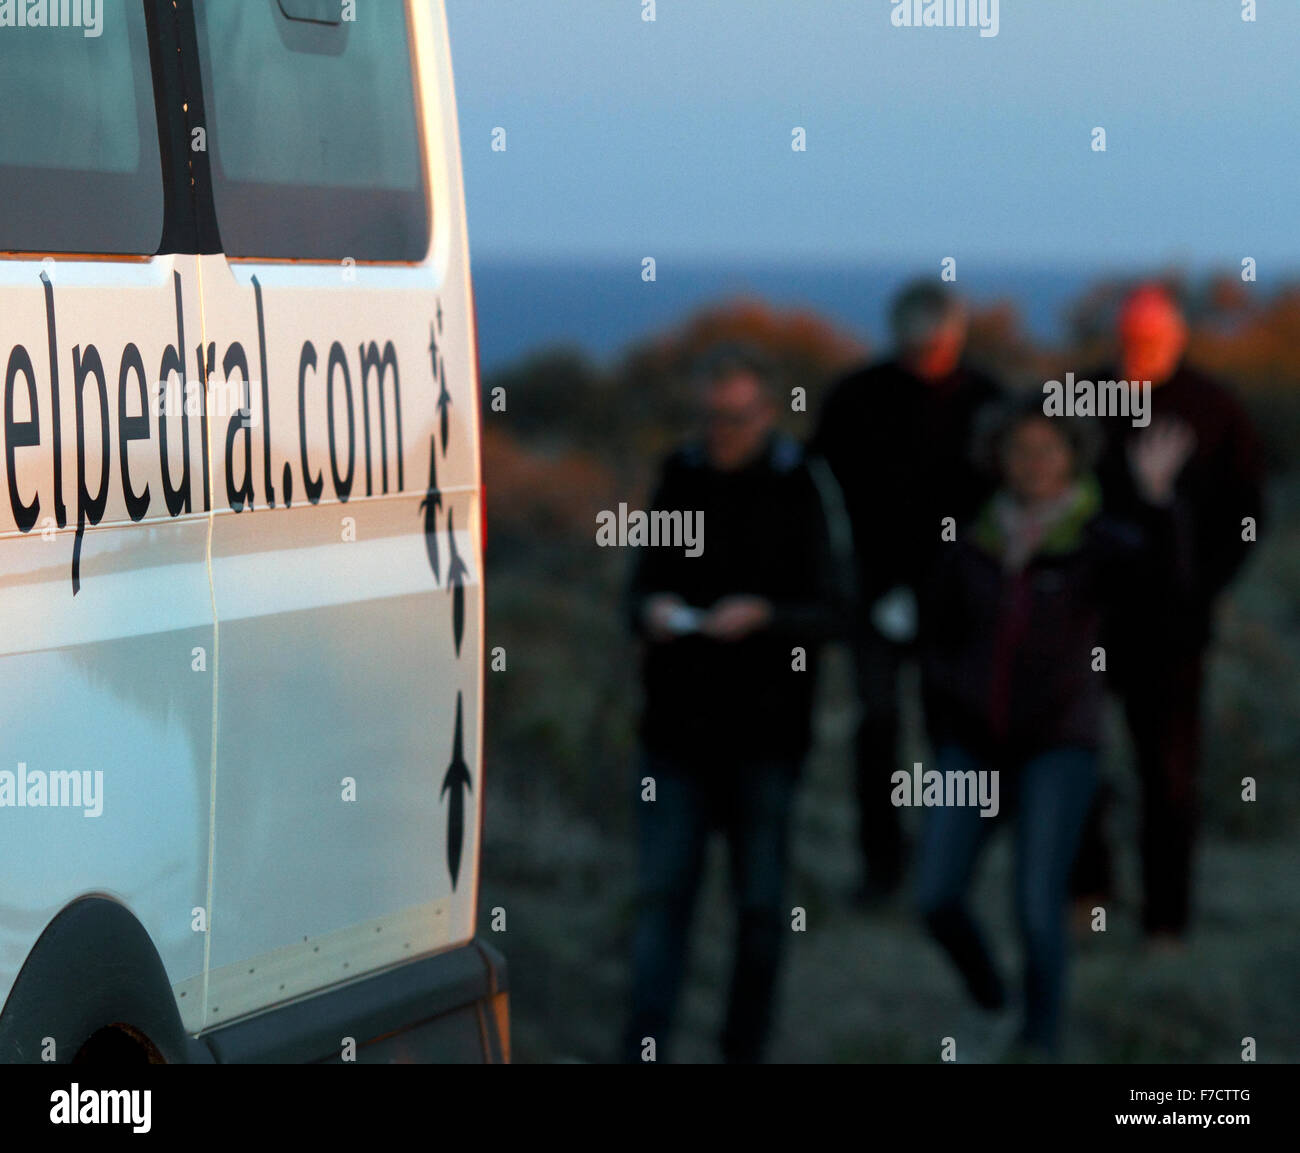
{"x":314,"y":147}
{"x":79,"y":163}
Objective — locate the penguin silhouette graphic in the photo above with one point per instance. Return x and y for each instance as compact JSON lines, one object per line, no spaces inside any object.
{"x":440,"y":377}
{"x":430,"y":505}
{"x":456,"y":574}
{"x":444,"y":405}
{"x":457,"y":780}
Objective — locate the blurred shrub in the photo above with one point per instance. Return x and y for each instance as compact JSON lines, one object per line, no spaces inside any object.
{"x":577,"y":438}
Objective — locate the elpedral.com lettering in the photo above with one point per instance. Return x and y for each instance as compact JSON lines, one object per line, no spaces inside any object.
{"x":90,"y":386}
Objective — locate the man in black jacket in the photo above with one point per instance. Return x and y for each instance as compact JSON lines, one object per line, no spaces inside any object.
{"x":1156,"y":652}
{"x":897,"y":435}
{"x":729,"y":668}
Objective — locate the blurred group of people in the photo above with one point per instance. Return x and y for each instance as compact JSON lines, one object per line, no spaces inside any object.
{"x":1029,"y":564}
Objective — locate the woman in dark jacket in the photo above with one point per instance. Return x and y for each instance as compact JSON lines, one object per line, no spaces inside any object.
{"x":1013,"y":681}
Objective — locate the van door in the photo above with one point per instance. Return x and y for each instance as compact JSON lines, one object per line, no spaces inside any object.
{"x":345,"y":547}
{"x":107,"y":641}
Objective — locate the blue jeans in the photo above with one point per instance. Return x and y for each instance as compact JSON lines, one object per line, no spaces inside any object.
{"x":751,"y":802}
{"x":1050,"y":794}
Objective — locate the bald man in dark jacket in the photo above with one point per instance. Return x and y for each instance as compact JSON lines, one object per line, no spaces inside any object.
{"x":1156,"y":651}
{"x":897,"y":434}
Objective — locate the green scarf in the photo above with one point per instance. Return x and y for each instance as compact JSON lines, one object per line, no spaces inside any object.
{"x":1063,"y":536}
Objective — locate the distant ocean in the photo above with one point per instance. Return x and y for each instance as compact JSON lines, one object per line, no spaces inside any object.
{"x":524,"y":307}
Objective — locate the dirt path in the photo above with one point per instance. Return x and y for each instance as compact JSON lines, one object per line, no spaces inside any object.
{"x":871,"y":987}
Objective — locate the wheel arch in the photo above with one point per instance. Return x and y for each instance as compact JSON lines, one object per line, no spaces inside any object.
{"x":93,"y":966}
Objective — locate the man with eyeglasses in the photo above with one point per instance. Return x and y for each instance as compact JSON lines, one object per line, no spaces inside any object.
{"x":730,"y":657}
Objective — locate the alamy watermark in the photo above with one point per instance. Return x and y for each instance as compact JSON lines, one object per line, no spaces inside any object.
{"x":222,"y":398}
{"x":981,"y":14}
{"x":36,"y":789}
{"x":88,"y":15}
{"x":78,"y":1106}
{"x":658,"y":529}
{"x":1127,"y":398}
{"x":930,"y":788}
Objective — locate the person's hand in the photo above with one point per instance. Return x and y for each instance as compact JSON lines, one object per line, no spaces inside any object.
{"x":658,"y":612}
{"x":1157,"y":457}
{"x":734,"y":618}
{"x":894,"y":615}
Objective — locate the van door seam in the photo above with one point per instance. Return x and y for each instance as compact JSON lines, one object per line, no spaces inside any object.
{"x":216,"y":660}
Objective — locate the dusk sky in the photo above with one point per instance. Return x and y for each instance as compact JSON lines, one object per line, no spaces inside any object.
{"x":671,"y":139}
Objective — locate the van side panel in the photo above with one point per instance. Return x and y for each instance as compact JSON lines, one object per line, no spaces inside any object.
{"x":340,"y":712}
{"x":112,"y":682}
{"x":346,"y":571}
